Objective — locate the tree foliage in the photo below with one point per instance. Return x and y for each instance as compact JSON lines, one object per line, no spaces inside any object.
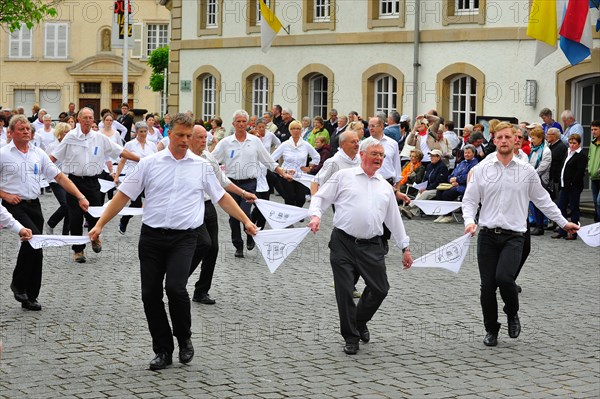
{"x":13,"y":13}
{"x":158,"y":60}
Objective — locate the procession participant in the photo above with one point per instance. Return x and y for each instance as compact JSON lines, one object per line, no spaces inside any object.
{"x":83,"y":152}
{"x":22,"y":165}
{"x":207,"y":248}
{"x":174,"y":182}
{"x":356,"y":243}
{"x":503,"y":185}
{"x":240,"y":153}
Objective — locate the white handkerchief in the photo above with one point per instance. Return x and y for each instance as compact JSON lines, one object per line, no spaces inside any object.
{"x":432,"y":207}
{"x":449,"y":256}
{"x":44,"y":241}
{"x":590,"y":234}
{"x":106,"y":186}
{"x":420,"y":186}
{"x":279,"y":215}
{"x":276,"y":245}
{"x":305,"y":179}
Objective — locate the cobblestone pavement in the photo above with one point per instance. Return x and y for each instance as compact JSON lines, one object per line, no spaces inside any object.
{"x":276,"y":335}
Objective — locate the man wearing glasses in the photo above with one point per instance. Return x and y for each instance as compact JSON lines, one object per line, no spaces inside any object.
{"x":356,"y":244}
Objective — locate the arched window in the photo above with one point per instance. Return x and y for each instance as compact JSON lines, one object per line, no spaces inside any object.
{"x":385,"y":94}
{"x":260,"y":95}
{"x":463,"y":100}
{"x":317,"y":96}
{"x":209,"y":97}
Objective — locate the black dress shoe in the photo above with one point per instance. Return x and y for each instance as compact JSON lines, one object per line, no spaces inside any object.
{"x":537,"y":232}
{"x":161,"y":361}
{"x":239,"y":253}
{"x":186,"y":351}
{"x":519,"y":289}
{"x":31,"y":305}
{"x":365,"y":336}
{"x":206,"y":299}
{"x":491,"y":339}
{"x":351,"y":348}
{"x":20,"y":295}
{"x":250,"y":244}
{"x":514,"y":326}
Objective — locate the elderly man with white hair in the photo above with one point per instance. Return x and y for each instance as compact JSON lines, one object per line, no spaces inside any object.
{"x":571,"y":126}
{"x":356,"y":244}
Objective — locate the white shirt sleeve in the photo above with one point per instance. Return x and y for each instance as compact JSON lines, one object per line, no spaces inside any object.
{"x":8,"y":221}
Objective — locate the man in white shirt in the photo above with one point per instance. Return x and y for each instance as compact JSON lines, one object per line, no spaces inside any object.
{"x":390,"y":168}
{"x":174,"y":182}
{"x":571,"y":126}
{"x":83,"y":152}
{"x":356,"y":244}
{"x":240,"y":153}
{"x":346,"y":158}
{"x":207,"y":248}
{"x":503,"y":185}
{"x":22,"y":166}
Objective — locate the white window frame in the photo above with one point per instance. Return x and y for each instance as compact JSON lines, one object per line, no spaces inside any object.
{"x":385,"y":90}
{"x":53,"y":54}
{"x":260,"y":95}
{"x":322,"y":11}
{"x":138,"y":39}
{"x":20,"y":37}
{"x":317,"y":108}
{"x":384,"y":7}
{"x":209,"y":97}
{"x":212,"y":14}
{"x":153,"y":34}
{"x":461,"y":87}
{"x":466,"y":7}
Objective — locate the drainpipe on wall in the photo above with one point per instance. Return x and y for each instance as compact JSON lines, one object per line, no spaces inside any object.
{"x":416,"y":63}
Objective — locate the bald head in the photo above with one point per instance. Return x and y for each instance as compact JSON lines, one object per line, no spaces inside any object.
{"x":198,"y":143}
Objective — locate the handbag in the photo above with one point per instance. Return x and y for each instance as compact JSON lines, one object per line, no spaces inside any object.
{"x":444,"y":186}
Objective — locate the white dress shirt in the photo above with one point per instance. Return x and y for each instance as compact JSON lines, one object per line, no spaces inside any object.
{"x":117,"y":126}
{"x":504,"y":194}
{"x":221,"y":177}
{"x":362,"y":205}
{"x":84,"y":154}
{"x":136,"y":147}
{"x":241,"y":158}
{"x":154,"y":135}
{"x":391,"y":163}
{"x":174,"y":189}
{"x":562,"y":171}
{"x":8,"y":221}
{"x":452,"y":137}
{"x":269,"y":140}
{"x":334,"y":164}
{"x":22,"y":173}
{"x":46,"y":138}
{"x":37,"y":125}
{"x":295,"y":155}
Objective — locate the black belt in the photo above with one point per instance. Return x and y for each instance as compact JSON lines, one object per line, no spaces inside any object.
{"x":22,"y":201}
{"x":243,"y":181}
{"x":373,"y":240}
{"x":498,"y":230}
{"x":169,"y":231}
{"x":82,"y":177}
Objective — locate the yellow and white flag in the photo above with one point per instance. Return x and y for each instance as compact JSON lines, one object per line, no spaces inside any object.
{"x":269,"y":27}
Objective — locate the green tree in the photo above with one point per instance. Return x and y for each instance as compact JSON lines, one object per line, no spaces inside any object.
{"x":13,"y":13}
{"x":159,"y":61}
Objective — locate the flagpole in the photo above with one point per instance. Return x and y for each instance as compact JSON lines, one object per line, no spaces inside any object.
{"x":125,"y":85}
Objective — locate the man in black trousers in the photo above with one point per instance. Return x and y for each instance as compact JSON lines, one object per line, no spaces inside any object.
{"x":174,"y":182}
{"x":22,"y":166}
